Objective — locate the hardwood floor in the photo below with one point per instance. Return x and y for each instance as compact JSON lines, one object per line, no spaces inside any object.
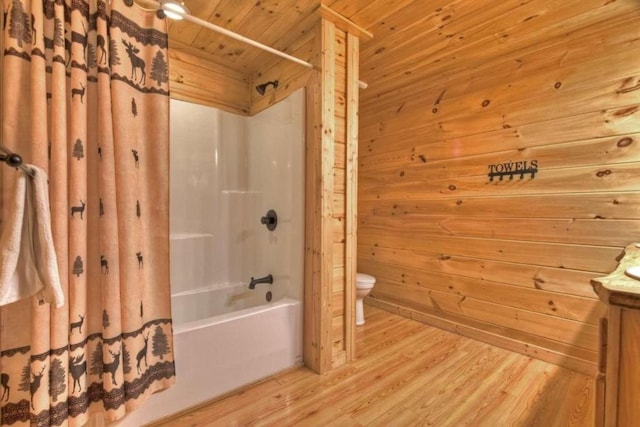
{"x":410,"y":374}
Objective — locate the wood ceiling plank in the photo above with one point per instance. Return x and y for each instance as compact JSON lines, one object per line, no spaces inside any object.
{"x":292,"y":22}
{"x":344,"y":24}
{"x":228,"y":14}
{"x":254,"y":25}
{"x":377,"y":11}
{"x":346,"y":8}
{"x":303,"y":48}
{"x":185,"y":31}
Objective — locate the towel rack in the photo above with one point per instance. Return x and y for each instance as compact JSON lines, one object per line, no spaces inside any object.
{"x":14,"y":160}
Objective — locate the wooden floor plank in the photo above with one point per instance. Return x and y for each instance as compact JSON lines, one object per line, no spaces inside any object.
{"x":409,"y":374}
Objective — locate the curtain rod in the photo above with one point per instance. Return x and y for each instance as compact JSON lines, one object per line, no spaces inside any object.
{"x":211,"y":26}
{"x":244,"y":39}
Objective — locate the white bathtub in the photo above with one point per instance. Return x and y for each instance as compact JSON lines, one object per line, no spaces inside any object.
{"x":219,"y":354}
{"x":215,"y":300}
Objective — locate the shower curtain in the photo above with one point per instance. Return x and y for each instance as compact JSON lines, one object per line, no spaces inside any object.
{"x":86,"y":99}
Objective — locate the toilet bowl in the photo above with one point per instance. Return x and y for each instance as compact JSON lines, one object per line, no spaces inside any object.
{"x":364,"y":284}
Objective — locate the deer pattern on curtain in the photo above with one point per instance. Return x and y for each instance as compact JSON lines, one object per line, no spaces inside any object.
{"x":86,"y":98}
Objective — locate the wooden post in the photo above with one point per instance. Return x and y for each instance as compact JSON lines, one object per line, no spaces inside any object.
{"x":351,"y":193}
{"x":319,"y":207}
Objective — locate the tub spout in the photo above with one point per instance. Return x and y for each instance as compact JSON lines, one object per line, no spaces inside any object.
{"x":267,"y":279}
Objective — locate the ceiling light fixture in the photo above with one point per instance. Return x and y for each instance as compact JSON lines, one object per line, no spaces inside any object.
{"x":174,"y":9}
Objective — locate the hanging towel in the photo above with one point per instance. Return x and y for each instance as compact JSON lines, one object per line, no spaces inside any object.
{"x":28,"y":264}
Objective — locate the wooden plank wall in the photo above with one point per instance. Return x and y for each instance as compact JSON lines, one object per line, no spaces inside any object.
{"x":466,"y":86}
{"x":195,"y":79}
{"x":290,"y":76}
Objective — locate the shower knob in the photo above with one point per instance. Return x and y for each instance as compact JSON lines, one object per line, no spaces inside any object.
{"x":270,"y":220}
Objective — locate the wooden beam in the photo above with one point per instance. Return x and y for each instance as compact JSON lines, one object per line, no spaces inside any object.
{"x":317,"y":343}
{"x":343,"y":23}
{"x":351,"y":192}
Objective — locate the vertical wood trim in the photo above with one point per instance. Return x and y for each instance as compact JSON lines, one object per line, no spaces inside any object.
{"x":351,"y":193}
{"x":328,"y":64}
{"x":629,"y":371}
{"x":313,"y":156}
{"x":320,"y":126}
{"x":600,"y":382}
{"x":613,"y":363}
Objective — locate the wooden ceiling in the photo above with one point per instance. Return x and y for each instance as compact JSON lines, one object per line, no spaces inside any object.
{"x":415,"y":44}
{"x":275,"y":23}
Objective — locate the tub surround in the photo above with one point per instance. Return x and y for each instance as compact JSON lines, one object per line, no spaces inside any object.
{"x":226,"y":171}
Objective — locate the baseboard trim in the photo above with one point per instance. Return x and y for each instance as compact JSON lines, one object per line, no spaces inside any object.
{"x":536,"y":352}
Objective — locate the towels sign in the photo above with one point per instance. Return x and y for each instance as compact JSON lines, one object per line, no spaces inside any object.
{"x":510,"y":169}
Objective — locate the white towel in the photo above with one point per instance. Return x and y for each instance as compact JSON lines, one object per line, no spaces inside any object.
{"x":28,"y":263}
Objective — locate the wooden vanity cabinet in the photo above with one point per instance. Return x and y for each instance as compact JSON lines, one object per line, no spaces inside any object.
{"x":618,"y":380}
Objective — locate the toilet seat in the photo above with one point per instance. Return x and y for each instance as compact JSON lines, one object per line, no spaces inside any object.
{"x":365,"y":281}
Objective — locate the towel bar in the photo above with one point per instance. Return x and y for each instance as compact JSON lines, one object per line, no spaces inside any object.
{"x":14,"y":160}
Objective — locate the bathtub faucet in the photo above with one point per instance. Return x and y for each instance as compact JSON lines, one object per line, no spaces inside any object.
{"x":266,"y":279}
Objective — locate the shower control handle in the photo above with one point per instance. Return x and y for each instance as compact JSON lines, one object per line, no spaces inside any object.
{"x":270,"y":220}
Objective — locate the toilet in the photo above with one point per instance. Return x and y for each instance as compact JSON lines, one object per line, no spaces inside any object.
{"x":364,"y":284}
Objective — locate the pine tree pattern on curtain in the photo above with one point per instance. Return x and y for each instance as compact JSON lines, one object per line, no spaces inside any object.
{"x":86,"y":98}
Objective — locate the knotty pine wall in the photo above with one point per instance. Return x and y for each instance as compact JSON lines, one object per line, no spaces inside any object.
{"x":195,"y":79}
{"x":457,"y":88}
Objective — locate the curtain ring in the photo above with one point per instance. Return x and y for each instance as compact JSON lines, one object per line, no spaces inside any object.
{"x":160,"y":14}
{"x":128,"y":3}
